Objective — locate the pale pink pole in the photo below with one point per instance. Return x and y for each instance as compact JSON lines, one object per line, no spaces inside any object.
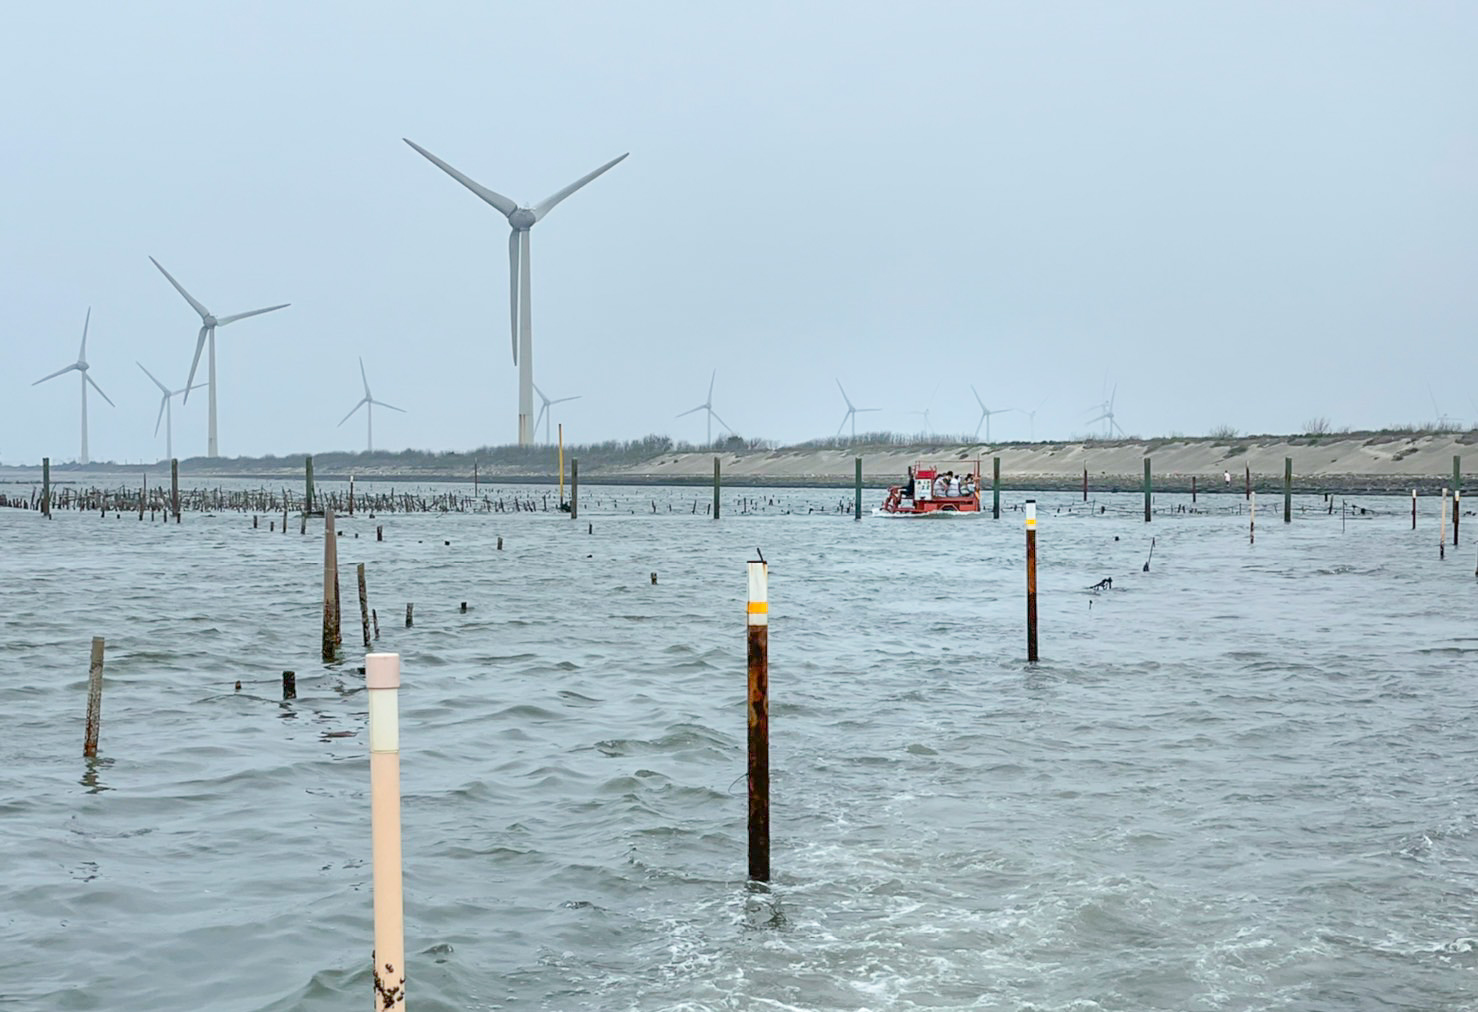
{"x":382,"y":677}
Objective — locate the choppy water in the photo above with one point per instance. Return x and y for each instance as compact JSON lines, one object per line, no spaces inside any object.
{"x":1243,"y":780}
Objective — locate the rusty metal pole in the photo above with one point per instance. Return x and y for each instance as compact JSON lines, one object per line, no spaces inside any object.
{"x":382,"y":679}
{"x":1031,"y":580}
{"x":330,"y":586}
{"x":94,"y":698}
{"x":759,"y":721}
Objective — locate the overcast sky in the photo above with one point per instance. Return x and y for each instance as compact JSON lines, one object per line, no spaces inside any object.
{"x":1244,"y":214}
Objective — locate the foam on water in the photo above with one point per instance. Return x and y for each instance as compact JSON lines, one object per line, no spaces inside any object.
{"x":1241,"y":780}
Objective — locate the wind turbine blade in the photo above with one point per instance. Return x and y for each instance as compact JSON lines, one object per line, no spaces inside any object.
{"x":845,"y":398}
{"x":547,"y":204}
{"x":82,"y":355}
{"x":860,"y":410}
{"x":163,"y":403}
{"x":513,"y":265}
{"x":164,"y":389}
{"x":99,"y":390}
{"x":540,"y":393}
{"x":721,"y":421}
{"x":362,"y":403}
{"x":363,"y":376}
{"x":497,"y":200}
{"x":844,"y":422}
{"x":687,"y":412}
{"x":382,"y":404}
{"x":540,"y":416}
{"x":711,"y":378}
{"x":181,"y":289}
{"x":561,"y":400}
{"x":255,"y":312}
{"x":977,"y":397}
{"x":199,"y":346}
{"x":54,"y":375}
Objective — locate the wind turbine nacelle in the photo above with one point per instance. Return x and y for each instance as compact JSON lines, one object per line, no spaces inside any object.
{"x":522,"y":219}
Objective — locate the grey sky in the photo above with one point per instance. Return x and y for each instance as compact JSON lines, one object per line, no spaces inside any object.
{"x":1245,"y":214}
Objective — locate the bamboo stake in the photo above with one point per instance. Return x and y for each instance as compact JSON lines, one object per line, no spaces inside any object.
{"x":364,"y":618}
{"x":94,"y":698}
{"x":382,"y":678}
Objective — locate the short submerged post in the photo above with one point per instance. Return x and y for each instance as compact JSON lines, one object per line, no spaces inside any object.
{"x":1146,"y":490}
{"x":1288,"y":490}
{"x":759,"y":721}
{"x":1031,"y":580}
{"x":995,"y":488}
{"x":715,"y":487}
{"x":382,"y":678}
{"x":857,"y":484}
{"x":289,"y":685}
{"x":94,"y":698}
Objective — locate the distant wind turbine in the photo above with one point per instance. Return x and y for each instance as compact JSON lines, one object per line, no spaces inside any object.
{"x":166,"y":412}
{"x":985,"y":414}
{"x":927,"y":430}
{"x":1107,"y":415}
{"x":368,"y":402}
{"x":708,"y":406}
{"x":852,"y":412}
{"x":544,"y":411}
{"x":521,"y":219}
{"x":208,"y":325}
{"x":1031,"y":417}
{"x":81,"y":366}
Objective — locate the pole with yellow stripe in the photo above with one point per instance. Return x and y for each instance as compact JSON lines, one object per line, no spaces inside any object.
{"x":759,"y":720}
{"x":1031,"y":580}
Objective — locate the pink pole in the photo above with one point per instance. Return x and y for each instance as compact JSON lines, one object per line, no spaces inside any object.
{"x":382,"y":677}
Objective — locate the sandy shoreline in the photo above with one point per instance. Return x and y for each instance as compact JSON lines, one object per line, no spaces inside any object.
{"x":1364,"y":462}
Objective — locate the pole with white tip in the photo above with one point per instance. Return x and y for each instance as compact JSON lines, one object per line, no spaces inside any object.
{"x":382,"y":678}
{"x":1031,"y":580}
{"x":759,"y":721}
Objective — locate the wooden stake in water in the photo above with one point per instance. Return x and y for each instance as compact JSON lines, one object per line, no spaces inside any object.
{"x":759,"y":720}
{"x":1413,"y":509}
{"x":410,"y":609}
{"x":1287,"y":490}
{"x":574,"y":487}
{"x":1457,"y":494}
{"x":289,"y":685}
{"x":364,"y":618}
{"x":308,"y":494}
{"x":330,"y":584}
{"x":857,"y":486}
{"x":46,"y":486}
{"x":1442,"y":529}
{"x":1085,"y":483}
{"x":995,"y":488}
{"x":1193,"y":489}
{"x":1147,"y":490}
{"x":561,"y":462}
{"x":351,"y":495}
{"x":174,"y":488}
{"x":144,"y":494}
{"x":715,"y":487}
{"x":1252,"y":518}
{"x":94,"y":698}
{"x":382,"y":678}
{"x":1031,"y":580}
{"x":1247,"y":481}
{"x":474,"y":478}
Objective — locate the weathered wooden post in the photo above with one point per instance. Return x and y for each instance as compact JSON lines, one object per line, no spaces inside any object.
{"x":995,"y":488}
{"x":1247,"y":481}
{"x":474,"y":479}
{"x":574,"y":487}
{"x":308,"y":495}
{"x":1146,"y":490}
{"x":379,"y":532}
{"x":382,"y":678}
{"x":1193,"y":490}
{"x":759,"y":720}
{"x":1085,"y":482}
{"x":715,"y":487}
{"x":364,"y":619}
{"x":289,"y":685}
{"x":1031,"y":580}
{"x":174,"y":487}
{"x":1442,"y":529}
{"x":330,"y":585}
{"x":144,"y":494}
{"x":94,"y":698}
{"x":351,"y":495}
{"x":857,"y":485}
{"x":46,"y":486}
{"x":1287,"y":490}
{"x":410,"y":609}
{"x":1413,"y":509}
{"x":1252,"y":518}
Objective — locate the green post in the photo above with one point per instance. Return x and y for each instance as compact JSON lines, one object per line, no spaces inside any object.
{"x":308,"y":502}
{"x":46,"y":486}
{"x":574,"y":488}
{"x":1147,"y":490}
{"x":995,"y":488}
{"x":857,"y":508}
{"x":715,"y":488}
{"x":1287,"y":490}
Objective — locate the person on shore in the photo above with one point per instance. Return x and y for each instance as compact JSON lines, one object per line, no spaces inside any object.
{"x":1228,"y":476}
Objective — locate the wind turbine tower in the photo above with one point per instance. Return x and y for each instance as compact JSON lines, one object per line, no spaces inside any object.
{"x":166,"y":411}
{"x":208,"y":325}
{"x":521,"y":220}
{"x":81,"y":366}
{"x":708,"y":406}
{"x":368,"y":402}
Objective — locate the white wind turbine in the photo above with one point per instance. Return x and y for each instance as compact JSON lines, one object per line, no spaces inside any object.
{"x":985,"y":414}
{"x":852,"y":412}
{"x":166,"y":411}
{"x":544,"y":411}
{"x":1031,"y":417}
{"x":208,"y":325}
{"x":81,"y":366}
{"x":708,"y":406}
{"x":1107,"y":415}
{"x":368,"y":402}
{"x":521,"y":219}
